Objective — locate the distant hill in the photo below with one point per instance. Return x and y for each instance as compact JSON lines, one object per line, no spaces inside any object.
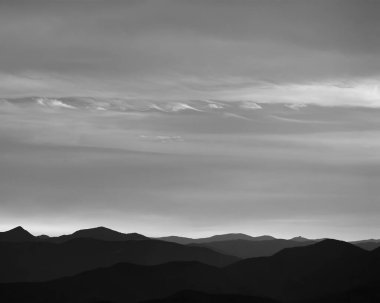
{"x":99,"y":233}
{"x":251,"y":249}
{"x":37,"y":261}
{"x":17,"y":234}
{"x":300,"y":239}
{"x":224,"y":237}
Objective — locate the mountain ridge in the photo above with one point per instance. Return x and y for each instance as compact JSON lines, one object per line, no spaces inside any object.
{"x":215,"y":238}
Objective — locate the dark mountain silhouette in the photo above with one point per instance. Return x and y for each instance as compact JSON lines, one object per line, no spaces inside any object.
{"x":99,"y":233}
{"x":328,"y":270}
{"x":17,"y":234}
{"x":251,"y":249}
{"x":224,"y":237}
{"x":191,"y":296}
{"x":37,"y":261}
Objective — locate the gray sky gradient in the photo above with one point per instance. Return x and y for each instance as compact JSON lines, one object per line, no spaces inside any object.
{"x":191,"y":117}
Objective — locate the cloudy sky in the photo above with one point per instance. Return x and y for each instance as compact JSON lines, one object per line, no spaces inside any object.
{"x":191,"y":117}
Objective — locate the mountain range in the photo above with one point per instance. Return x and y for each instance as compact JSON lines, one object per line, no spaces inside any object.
{"x":235,"y":244}
{"x":326,"y":271}
{"x":99,"y":233}
{"x":224,"y":237}
{"x":41,"y":261}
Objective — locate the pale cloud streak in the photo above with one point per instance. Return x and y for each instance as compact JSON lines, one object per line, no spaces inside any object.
{"x":196,"y":172}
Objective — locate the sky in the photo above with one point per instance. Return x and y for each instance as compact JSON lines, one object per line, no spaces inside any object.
{"x":191,"y":117}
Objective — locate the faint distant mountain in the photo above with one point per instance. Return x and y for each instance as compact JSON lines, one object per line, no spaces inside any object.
{"x":303,"y":239}
{"x":201,"y":297}
{"x":99,"y":233}
{"x":300,"y":239}
{"x":224,"y":237}
{"x":41,"y":260}
{"x":327,"y":271}
{"x":367,"y":240}
{"x":251,"y":249}
{"x":369,"y":244}
{"x":17,"y":234}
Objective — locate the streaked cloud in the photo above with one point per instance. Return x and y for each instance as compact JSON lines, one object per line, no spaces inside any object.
{"x":269,"y":170}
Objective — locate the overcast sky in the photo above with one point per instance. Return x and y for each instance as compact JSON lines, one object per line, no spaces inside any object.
{"x":263,"y":116}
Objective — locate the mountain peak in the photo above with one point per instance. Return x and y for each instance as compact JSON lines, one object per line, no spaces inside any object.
{"x":299,"y":239}
{"x":17,"y":234}
{"x":17,"y":228}
{"x":102,"y":233}
{"x":94,"y":229}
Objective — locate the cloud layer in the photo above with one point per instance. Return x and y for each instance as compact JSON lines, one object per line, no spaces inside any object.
{"x":304,"y":51}
{"x":191,"y":116}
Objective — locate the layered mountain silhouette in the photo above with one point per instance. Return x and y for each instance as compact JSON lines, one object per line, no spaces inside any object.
{"x":224,"y":237}
{"x":327,"y":271}
{"x":103,"y":265}
{"x":36,"y":261}
{"x":122,"y":283}
{"x":19,"y":234}
{"x":250,"y":249}
{"x":267,"y":245}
